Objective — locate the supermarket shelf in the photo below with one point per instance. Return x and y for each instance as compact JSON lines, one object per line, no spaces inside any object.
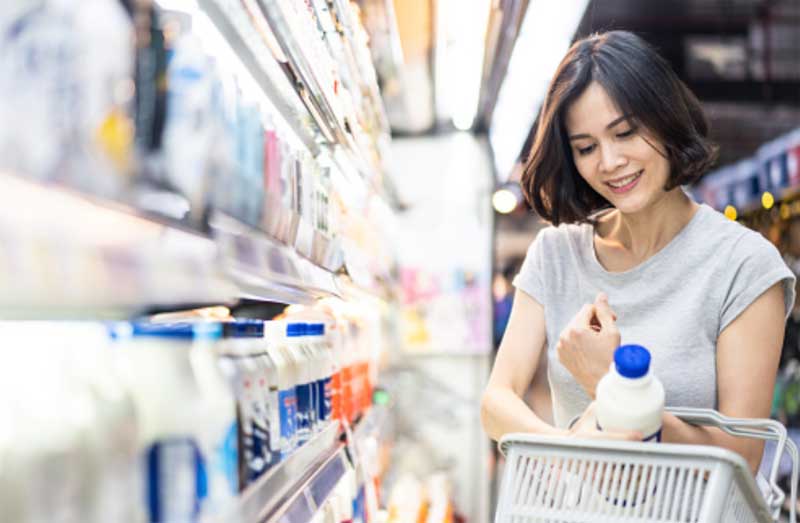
{"x":234,"y":20}
{"x":265,"y":269}
{"x":292,"y":491}
{"x":66,"y":254}
{"x":247,"y":28}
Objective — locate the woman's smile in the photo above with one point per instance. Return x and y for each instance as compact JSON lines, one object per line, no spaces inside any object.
{"x":624,"y":184}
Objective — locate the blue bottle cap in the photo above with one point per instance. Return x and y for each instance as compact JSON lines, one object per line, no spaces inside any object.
{"x":632,"y":361}
{"x":182,"y":330}
{"x":294,"y":330}
{"x":244,"y":328}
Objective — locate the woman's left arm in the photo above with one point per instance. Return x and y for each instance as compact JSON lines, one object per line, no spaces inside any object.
{"x":748,"y":353}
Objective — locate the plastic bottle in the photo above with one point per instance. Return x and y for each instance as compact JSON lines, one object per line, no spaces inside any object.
{"x":187,"y":426}
{"x":275,"y":332}
{"x":337,"y":346}
{"x":325,"y":365}
{"x":268,"y":391}
{"x":295,"y":333}
{"x":311,"y":351}
{"x":75,"y":473}
{"x":190,"y":128}
{"x":630,"y":397}
{"x":240,"y":336}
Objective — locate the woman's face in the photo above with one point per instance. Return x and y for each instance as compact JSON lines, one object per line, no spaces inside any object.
{"x":622,"y":162}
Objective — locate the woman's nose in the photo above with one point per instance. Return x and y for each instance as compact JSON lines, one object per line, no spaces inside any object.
{"x":610,"y":158}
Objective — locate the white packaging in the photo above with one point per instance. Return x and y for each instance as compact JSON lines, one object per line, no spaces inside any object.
{"x":630,"y":397}
{"x":268,"y":391}
{"x":298,"y":356}
{"x":309,"y":349}
{"x":187,"y":419}
{"x":275,"y":334}
{"x":243,"y":340}
{"x":191,"y":127}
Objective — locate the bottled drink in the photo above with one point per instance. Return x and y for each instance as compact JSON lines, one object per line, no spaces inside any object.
{"x":630,"y":397}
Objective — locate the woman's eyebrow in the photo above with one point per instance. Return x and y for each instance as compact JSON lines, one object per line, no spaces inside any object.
{"x":609,"y":126}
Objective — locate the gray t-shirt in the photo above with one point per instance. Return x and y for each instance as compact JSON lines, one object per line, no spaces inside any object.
{"x":676,"y":303}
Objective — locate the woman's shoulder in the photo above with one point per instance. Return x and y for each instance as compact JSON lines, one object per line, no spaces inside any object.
{"x":563,"y":233}
{"x":716,"y":226}
{"x":732,"y":240}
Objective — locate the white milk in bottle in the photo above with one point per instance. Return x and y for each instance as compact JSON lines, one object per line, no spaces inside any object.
{"x":630,"y":397}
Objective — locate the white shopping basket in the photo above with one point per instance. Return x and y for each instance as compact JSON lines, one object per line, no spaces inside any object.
{"x":560,"y":480}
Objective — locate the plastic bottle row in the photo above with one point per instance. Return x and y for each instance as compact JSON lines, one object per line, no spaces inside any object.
{"x":146,"y":422}
{"x":158,"y":117}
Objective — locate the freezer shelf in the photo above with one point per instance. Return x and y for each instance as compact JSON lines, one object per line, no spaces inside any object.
{"x":67,"y":254}
{"x":263,"y":268}
{"x":293,"y":490}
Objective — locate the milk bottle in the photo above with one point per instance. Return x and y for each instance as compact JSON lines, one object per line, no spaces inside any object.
{"x":187,"y":418}
{"x":296,"y":351}
{"x":630,"y":397}
{"x":275,"y":332}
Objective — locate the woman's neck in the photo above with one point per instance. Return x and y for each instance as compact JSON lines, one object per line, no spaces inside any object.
{"x":643,"y":234}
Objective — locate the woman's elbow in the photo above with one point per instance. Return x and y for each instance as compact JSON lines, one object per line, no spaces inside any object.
{"x":487,"y":411}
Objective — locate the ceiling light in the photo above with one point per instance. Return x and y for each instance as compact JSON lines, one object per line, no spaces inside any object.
{"x":504,"y":201}
{"x":460,"y":43}
{"x":544,"y":37}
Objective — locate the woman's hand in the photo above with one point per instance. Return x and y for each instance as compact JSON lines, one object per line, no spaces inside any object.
{"x":586,"y":428}
{"x":586,"y":346}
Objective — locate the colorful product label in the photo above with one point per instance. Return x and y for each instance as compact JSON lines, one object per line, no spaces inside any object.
{"x":177,"y":482}
{"x":304,"y":404}
{"x":288,"y":416}
{"x":228,"y":457}
{"x":327,"y":385}
{"x":274,"y":425}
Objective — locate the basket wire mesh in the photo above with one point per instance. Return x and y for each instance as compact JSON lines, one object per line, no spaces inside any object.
{"x":556,"y":480}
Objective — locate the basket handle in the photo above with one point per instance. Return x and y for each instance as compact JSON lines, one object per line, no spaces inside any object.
{"x":764,"y":429}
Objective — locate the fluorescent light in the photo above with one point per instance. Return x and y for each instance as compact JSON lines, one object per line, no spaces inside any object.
{"x":461,"y":37}
{"x":544,"y":37}
{"x":504,"y":201}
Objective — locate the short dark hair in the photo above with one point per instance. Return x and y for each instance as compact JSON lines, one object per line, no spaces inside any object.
{"x":643,"y":85}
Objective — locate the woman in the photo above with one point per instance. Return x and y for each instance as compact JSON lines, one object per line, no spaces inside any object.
{"x":630,"y":258}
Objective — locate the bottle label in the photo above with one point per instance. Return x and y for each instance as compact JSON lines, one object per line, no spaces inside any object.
{"x":328,"y":397}
{"x":176,"y":480}
{"x":288,"y":415}
{"x":654,"y":437}
{"x":275,"y":424}
{"x":304,"y":411}
{"x":228,"y":457}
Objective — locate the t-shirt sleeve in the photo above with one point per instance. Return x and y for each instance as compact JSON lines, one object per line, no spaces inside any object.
{"x":756,"y":266}
{"x":530,"y":278}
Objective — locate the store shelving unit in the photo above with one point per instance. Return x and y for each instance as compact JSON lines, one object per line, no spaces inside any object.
{"x":264,"y":269}
{"x":67,"y":254}
{"x":70,"y":254}
{"x":306,"y":477}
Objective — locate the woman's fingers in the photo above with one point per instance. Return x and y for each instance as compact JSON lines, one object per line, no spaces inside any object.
{"x":605,"y":315}
{"x":585,"y":315}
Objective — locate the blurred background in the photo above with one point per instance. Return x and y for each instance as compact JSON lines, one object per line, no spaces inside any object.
{"x":257,"y":164}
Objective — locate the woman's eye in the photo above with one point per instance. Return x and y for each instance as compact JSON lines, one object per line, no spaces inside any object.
{"x":626,"y":134}
{"x":585,"y":150}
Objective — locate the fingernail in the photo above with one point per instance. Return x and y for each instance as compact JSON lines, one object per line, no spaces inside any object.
{"x":602,"y":296}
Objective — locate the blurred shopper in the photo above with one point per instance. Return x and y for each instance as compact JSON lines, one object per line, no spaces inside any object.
{"x":631,"y":258}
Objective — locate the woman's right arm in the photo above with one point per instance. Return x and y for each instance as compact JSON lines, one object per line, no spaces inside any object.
{"x":502,"y":408}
